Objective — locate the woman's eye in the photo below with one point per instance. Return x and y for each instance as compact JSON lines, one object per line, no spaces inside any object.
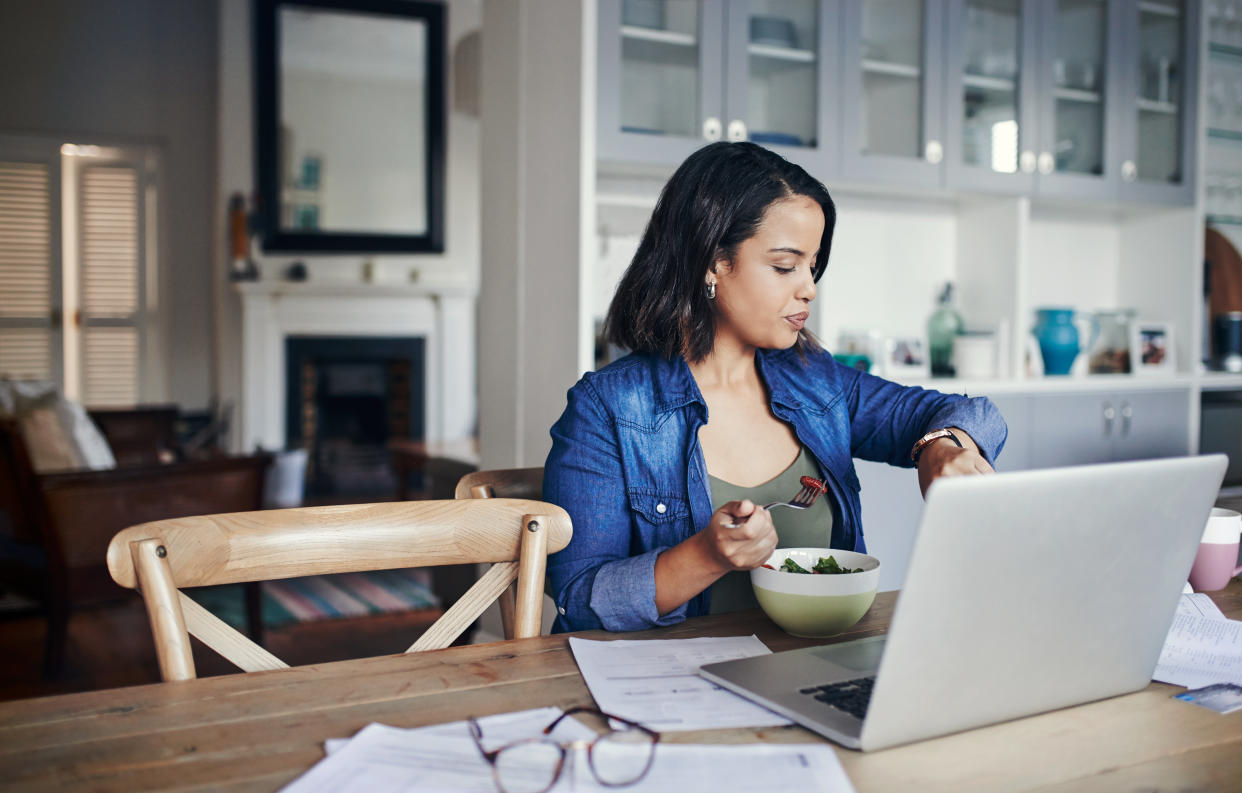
{"x":783,"y":270}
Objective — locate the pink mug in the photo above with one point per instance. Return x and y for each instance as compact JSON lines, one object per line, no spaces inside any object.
{"x":1217,"y":559}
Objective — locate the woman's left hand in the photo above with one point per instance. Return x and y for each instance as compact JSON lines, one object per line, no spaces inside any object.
{"x":944,"y":458}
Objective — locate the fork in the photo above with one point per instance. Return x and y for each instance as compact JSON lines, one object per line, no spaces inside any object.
{"x":811,"y":490}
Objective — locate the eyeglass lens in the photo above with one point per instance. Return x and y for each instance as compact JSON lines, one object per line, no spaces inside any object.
{"x":528,"y":767}
{"x":622,"y":757}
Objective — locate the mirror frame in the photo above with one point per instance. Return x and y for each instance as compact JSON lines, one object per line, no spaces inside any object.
{"x":267,"y":138}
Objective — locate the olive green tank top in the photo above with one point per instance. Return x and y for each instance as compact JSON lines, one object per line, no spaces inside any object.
{"x":795,"y":527}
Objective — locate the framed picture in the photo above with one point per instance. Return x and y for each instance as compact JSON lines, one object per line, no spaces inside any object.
{"x":306,"y":216}
{"x":906,"y":355}
{"x":861,"y":349}
{"x":1151,"y":347}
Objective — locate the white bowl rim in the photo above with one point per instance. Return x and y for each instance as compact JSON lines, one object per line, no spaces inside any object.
{"x":779,"y":554}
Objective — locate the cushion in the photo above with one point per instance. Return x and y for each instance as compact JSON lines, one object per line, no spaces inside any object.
{"x":57,"y":431}
{"x":49,"y":446}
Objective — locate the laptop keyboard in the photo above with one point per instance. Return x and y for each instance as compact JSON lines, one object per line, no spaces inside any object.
{"x":851,"y":696}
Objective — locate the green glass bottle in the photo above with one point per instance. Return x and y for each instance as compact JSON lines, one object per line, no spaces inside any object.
{"x":944,"y":324}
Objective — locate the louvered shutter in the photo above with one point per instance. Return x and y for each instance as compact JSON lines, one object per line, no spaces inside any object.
{"x":110,"y":252}
{"x":30,"y":212}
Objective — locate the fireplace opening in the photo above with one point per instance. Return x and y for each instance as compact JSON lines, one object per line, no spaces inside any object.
{"x":346,"y":398}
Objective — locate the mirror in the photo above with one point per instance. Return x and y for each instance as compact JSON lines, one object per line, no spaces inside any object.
{"x":350,"y":113}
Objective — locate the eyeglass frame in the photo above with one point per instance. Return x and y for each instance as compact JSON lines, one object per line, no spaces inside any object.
{"x":476,"y":733}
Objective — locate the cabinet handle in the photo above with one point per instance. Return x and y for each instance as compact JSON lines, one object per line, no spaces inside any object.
{"x":1046,"y":162}
{"x":1026,"y":161}
{"x":712,"y":128}
{"x":737,"y":130}
{"x":1110,"y":413}
{"x":933,"y":152}
{"x":1129,"y":171}
{"x":1126,"y":415}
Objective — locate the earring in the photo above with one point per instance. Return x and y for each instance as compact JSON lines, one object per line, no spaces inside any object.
{"x":711,"y":290}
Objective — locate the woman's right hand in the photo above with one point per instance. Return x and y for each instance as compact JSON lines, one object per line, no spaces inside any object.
{"x":745,"y":546}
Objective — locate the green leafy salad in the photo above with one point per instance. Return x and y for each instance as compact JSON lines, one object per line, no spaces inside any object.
{"x":826,"y":564}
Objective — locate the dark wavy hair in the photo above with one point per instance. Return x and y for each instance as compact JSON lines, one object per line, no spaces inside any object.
{"x":713,"y":202}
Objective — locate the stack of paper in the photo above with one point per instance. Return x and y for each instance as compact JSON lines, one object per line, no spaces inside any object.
{"x":444,"y":757}
{"x":1203,"y":647}
{"x":656,"y":682}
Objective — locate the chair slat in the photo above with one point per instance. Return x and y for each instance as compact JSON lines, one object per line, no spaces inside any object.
{"x":467,"y":608}
{"x":221,"y":637}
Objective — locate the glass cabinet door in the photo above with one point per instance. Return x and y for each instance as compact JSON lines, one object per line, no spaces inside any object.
{"x":1078,"y":86}
{"x":779,"y":91}
{"x":660,"y":84}
{"x":992,"y":99}
{"x":891,"y":103}
{"x":1161,"y":100}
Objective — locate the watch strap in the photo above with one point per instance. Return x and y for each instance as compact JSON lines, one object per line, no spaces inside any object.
{"x":934,"y":435}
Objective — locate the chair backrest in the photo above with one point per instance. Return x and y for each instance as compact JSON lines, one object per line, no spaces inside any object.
{"x":159,"y":557}
{"x":502,"y":483}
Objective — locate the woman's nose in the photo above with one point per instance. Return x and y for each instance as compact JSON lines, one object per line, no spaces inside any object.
{"x":807,"y":290}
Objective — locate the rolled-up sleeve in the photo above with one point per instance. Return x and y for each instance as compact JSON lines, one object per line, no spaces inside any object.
{"x":597,"y":581}
{"x":887,"y":419}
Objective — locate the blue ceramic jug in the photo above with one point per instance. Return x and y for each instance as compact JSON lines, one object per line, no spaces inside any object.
{"x":1059,"y":342}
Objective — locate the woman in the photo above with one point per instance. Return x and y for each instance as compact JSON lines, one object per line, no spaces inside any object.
{"x":661,"y":457}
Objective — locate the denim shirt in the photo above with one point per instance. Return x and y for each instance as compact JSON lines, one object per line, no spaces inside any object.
{"x":627,"y":466}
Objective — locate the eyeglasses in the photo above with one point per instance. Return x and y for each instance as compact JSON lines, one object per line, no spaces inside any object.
{"x":619,"y":757}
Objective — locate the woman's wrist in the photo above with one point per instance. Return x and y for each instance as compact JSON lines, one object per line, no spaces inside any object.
{"x":684,"y":571}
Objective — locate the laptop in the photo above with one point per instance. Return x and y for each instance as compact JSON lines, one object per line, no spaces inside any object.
{"x":1026,"y":592}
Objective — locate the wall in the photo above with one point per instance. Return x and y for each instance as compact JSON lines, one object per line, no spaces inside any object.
{"x":538,"y":158}
{"x":459,"y":264}
{"x":141,"y":71}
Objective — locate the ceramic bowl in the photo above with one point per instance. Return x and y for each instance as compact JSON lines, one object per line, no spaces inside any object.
{"x":776,"y":31}
{"x":816,"y":605}
{"x":643,"y":13}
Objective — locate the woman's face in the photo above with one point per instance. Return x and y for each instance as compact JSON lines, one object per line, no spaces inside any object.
{"x":762,"y":296}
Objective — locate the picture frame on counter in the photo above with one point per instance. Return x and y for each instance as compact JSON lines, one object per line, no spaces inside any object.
{"x":906,"y":356}
{"x":1151,"y":347}
{"x":861,"y":349}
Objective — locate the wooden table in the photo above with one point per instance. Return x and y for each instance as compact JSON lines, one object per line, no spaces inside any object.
{"x":255,"y":732}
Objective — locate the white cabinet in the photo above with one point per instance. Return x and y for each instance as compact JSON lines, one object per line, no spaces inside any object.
{"x":1076,"y":429}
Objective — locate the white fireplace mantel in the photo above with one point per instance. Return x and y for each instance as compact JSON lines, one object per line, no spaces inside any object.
{"x":443,"y":315}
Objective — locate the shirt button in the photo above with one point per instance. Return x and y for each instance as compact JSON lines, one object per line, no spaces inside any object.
{"x":561,"y":609}
{"x":661,"y":508}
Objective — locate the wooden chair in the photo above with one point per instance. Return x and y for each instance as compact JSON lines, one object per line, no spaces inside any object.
{"x":157,"y":558}
{"x":503,"y":483}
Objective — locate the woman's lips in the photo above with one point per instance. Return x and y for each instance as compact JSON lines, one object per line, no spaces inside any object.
{"x":797,"y":320}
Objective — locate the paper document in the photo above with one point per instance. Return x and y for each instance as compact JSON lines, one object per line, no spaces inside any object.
{"x":1200,"y":651}
{"x":439,"y":757}
{"x":443,"y":757}
{"x":1199,"y":605}
{"x":655,"y":682}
